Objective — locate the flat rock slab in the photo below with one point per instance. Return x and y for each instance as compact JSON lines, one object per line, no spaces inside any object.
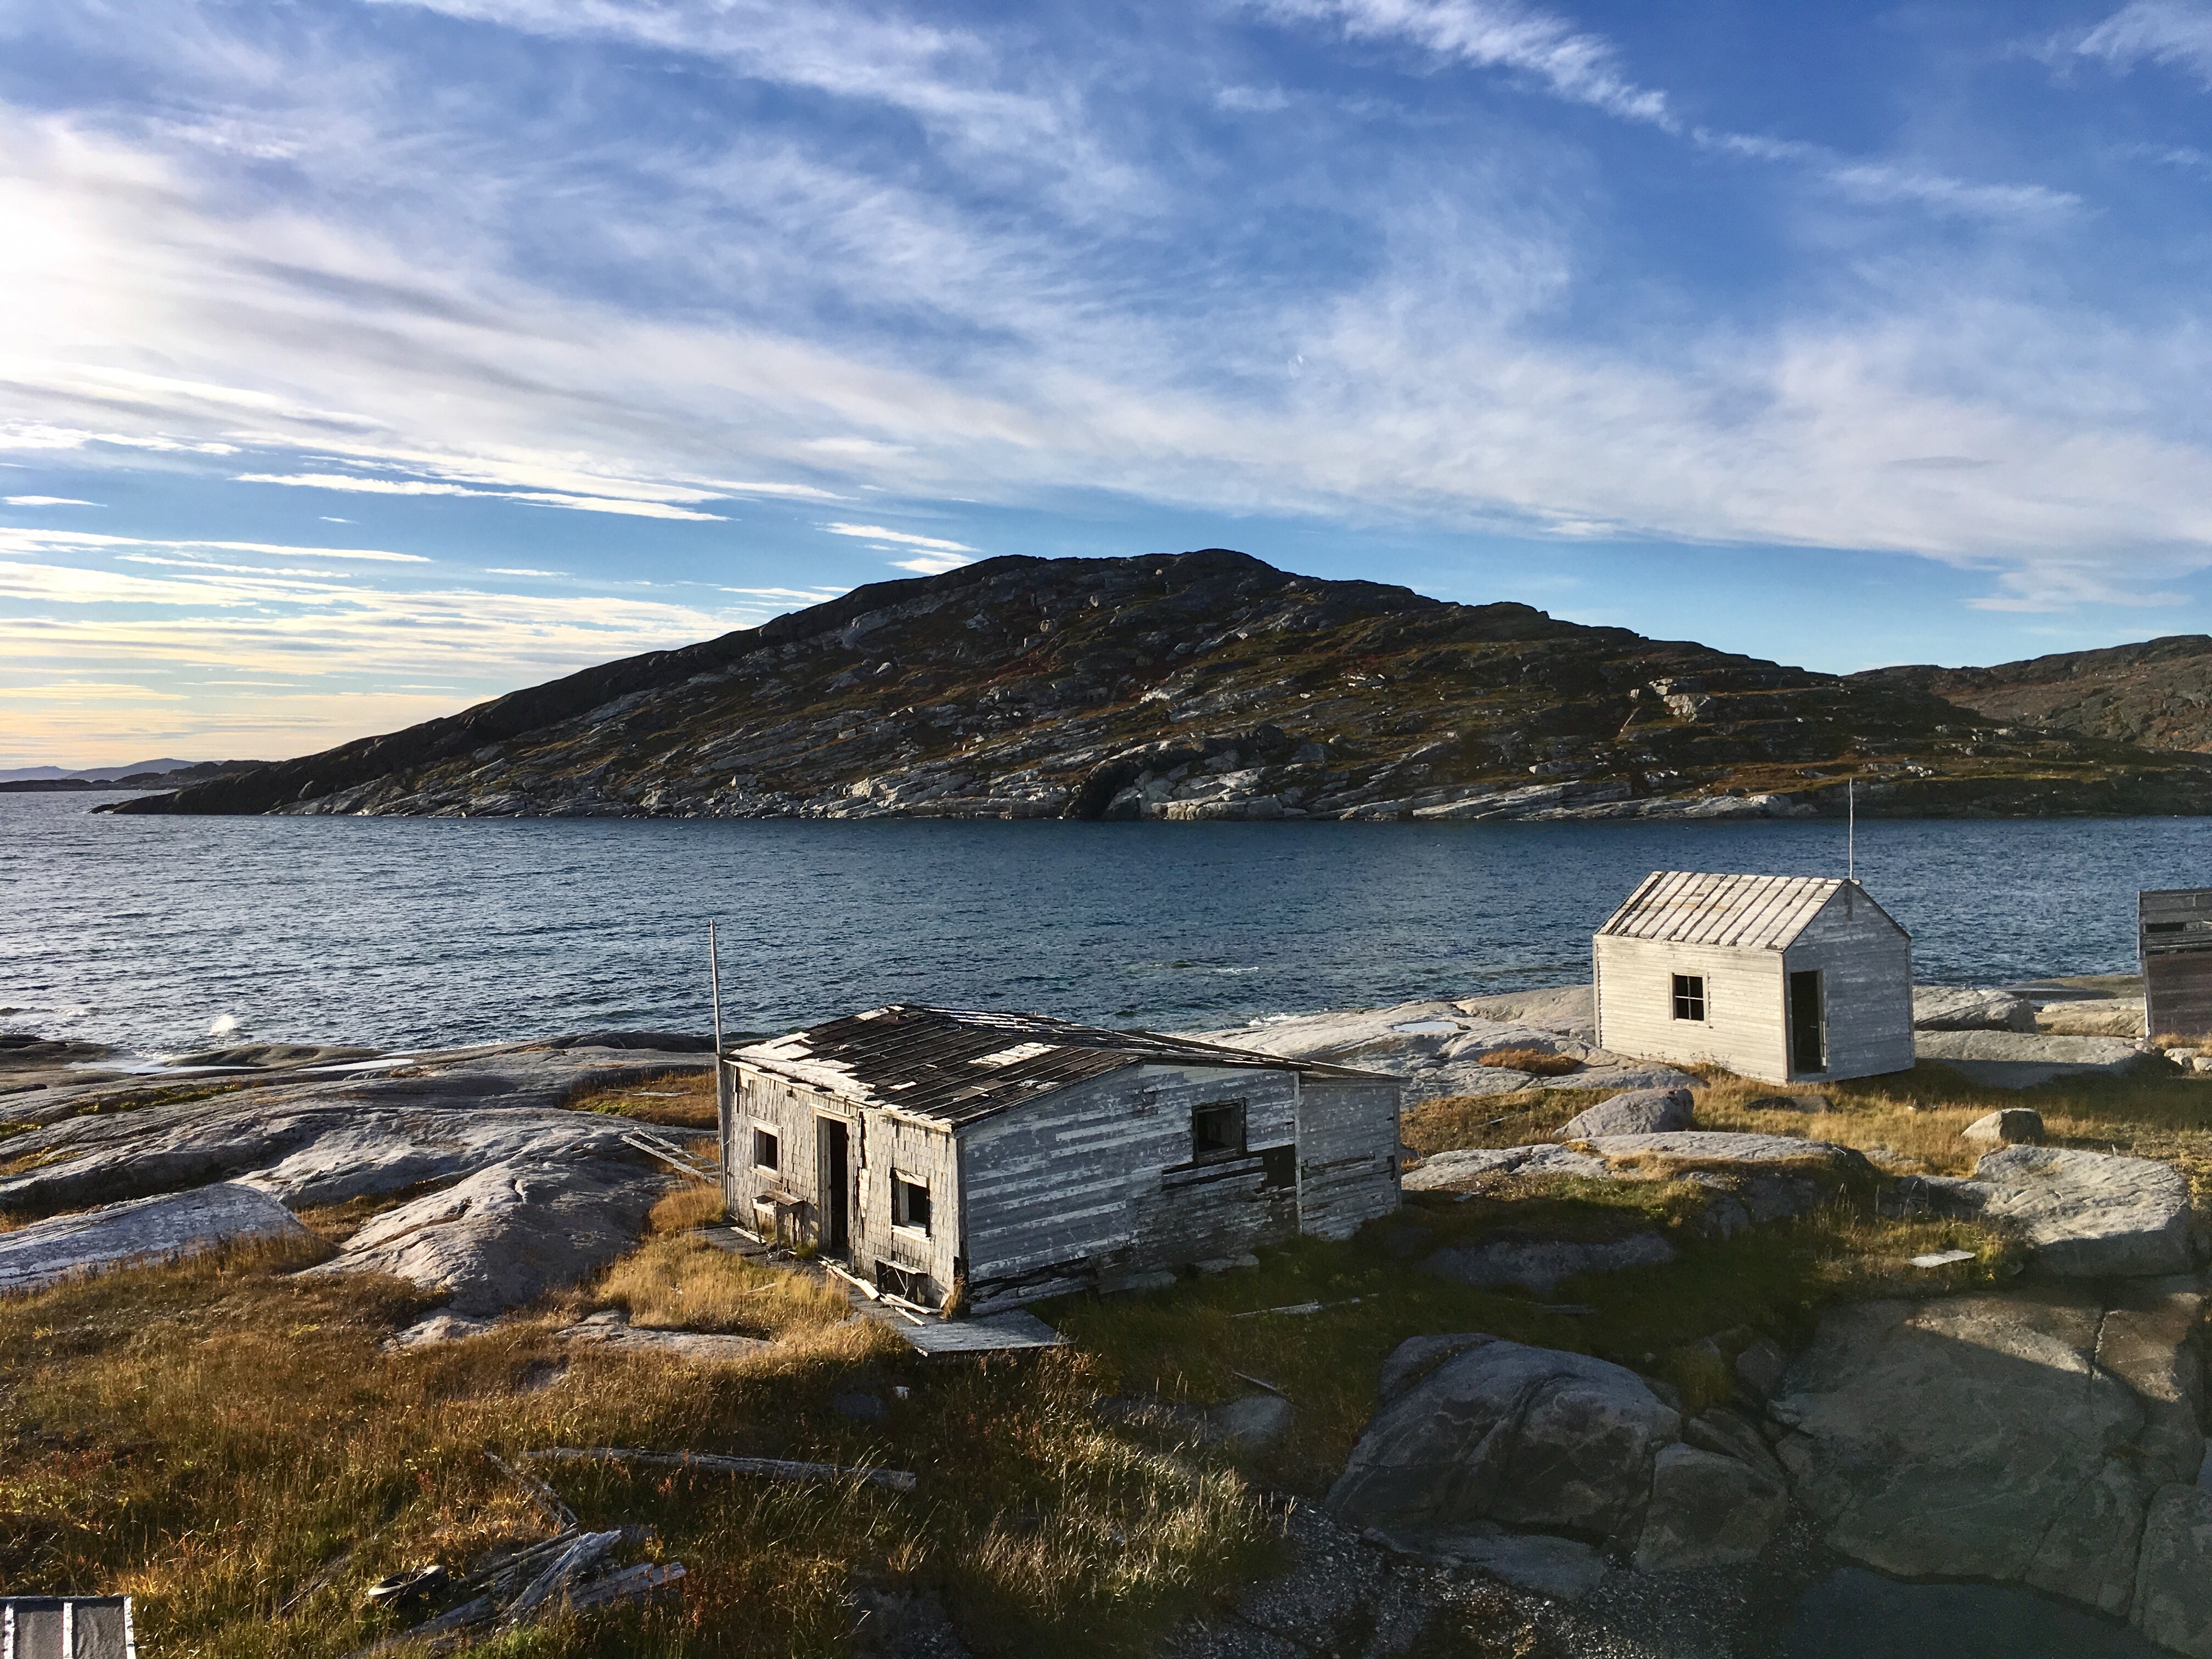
{"x":705,"y":1347}
{"x":2090,"y":1215}
{"x":141,"y":1230}
{"x":2015,"y":1059}
{"x":1984,"y":1438}
{"x":1952,"y":1008}
{"x":1447,"y":1170}
{"x":1570,"y":1010}
{"x":1439,"y":1048}
{"x":2102,"y":1017}
{"x":1558,"y":1567}
{"x":325,"y":1140}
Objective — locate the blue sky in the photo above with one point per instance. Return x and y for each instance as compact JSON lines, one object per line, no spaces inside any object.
{"x":365,"y":358}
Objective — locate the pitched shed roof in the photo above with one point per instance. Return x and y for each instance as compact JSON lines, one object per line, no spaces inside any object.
{"x":954,"y":1066}
{"x":1748,"y":912}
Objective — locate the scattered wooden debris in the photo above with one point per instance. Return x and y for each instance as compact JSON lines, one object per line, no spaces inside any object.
{"x":773,"y":1467}
{"x":1296,"y":1307}
{"x":1259,"y":1382}
{"x":522,"y":1587}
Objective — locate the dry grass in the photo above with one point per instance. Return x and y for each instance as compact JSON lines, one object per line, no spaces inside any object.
{"x":696,"y":1204}
{"x":680,"y":1100}
{"x":227,"y":1440}
{"x":1514,"y":1120}
{"x":1537,"y":1062}
{"x":681,"y":1282}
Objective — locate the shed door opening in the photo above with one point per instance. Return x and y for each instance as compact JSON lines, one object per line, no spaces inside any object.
{"x":836,"y":1184}
{"x":1808,"y":1051}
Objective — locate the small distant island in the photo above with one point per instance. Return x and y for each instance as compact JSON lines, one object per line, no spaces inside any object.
{"x":1210,"y":685}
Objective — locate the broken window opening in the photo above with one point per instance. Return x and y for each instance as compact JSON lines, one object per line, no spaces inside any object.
{"x":1218,"y":1130}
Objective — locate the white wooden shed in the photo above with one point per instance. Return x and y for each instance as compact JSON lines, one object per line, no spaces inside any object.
{"x":1787,"y":979}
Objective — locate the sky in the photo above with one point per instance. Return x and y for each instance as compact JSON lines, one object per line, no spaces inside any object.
{"x":361,"y":360}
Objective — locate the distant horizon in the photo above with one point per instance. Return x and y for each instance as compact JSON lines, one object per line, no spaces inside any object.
{"x":390,"y":354}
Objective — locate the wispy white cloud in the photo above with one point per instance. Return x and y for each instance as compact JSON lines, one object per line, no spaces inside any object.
{"x":1570,"y":62}
{"x":47,"y":500}
{"x":876,"y":532}
{"x":2168,"y":32}
{"x":636,"y":509}
{"x":499,"y":570}
{"x":932,"y":564}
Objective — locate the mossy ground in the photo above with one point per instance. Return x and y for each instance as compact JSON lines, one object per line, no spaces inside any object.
{"x":227,"y":1439}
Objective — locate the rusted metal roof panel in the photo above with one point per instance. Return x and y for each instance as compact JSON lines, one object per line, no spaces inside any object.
{"x":1748,"y":913}
{"x":955,"y":1065}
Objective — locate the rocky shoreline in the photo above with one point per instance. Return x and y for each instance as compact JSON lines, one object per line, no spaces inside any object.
{"x":2042,"y":1431}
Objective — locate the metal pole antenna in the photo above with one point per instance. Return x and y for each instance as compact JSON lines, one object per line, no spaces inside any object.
{"x":721,"y":1085}
{"x":1851,"y":831}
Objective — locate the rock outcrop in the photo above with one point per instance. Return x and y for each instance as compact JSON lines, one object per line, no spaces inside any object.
{"x":1441,"y":1048}
{"x":1200,"y":687}
{"x":1503,"y":1433}
{"x":140,"y":1230}
{"x":1633,"y":1112}
{"x":2018,"y":1438}
{"x":528,"y":1196}
{"x":2018,"y":1059}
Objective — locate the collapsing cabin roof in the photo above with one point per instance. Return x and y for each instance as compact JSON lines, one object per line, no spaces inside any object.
{"x":1744,"y":913}
{"x":955,"y":1065}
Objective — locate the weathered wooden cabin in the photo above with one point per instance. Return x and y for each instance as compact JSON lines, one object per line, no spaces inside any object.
{"x":1787,"y":979}
{"x":2173,"y":937}
{"x":1025,"y":1156}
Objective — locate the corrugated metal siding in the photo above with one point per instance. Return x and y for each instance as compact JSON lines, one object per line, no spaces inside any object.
{"x":1753,"y":913}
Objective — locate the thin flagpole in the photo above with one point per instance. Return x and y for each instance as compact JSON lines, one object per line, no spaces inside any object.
{"x":1851,"y":833}
{"x":721,"y":1085}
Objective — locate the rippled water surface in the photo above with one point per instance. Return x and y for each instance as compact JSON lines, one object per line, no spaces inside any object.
{"x":144,"y":932}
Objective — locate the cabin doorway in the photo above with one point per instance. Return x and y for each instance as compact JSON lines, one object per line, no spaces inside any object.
{"x":833,"y":1143}
{"x":1808,"y":1047}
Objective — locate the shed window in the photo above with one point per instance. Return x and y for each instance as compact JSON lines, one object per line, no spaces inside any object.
{"x":766,"y":1154}
{"x":909,"y":1203}
{"x":1690,"y":996}
{"x":1218,"y":1130}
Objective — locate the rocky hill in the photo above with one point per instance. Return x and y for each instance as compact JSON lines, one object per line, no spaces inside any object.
{"x":1203,"y":685}
{"x":2157,"y":694}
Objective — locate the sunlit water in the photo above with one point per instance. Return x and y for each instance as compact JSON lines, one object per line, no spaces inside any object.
{"x":145,"y":932}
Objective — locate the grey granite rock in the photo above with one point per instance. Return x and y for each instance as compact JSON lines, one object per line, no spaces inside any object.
{"x":2014,"y":1059}
{"x":1541,"y":1265}
{"x":2174,"y":1573}
{"x":1707,"y":1510}
{"x":1633,"y":1112}
{"x":2103,"y":1017}
{"x":139,"y":1231}
{"x":2008,"y":1126}
{"x":1972,"y":1437}
{"x":1952,"y":1008}
{"x":506,"y":1234}
{"x":1445,"y":1170}
{"x":2090,"y":1214}
{"x":1514,"y":1434}
{"x":1570,"y":1010}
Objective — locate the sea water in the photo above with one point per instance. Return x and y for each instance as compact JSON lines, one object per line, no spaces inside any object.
{"x":152,"y":933}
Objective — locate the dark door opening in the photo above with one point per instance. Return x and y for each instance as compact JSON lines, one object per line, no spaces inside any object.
{"x":836,"y":1185}
{"x":1808,"y":1048}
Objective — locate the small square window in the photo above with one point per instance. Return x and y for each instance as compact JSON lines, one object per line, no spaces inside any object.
{"x":909,"y":1203}
{"x":1218,"y":1130}
{"x":766,"y":1152}
{"x":1690,"y":996}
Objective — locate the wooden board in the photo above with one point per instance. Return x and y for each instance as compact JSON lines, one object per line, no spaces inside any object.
{"x":1000,"y":1333}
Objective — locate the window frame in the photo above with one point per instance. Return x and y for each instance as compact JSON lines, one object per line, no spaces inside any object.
{"x":902,"y":1186}
{"x":1688,"y":1001}
{"x":772,"y":1140}
{"x":1205,"y":1150}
